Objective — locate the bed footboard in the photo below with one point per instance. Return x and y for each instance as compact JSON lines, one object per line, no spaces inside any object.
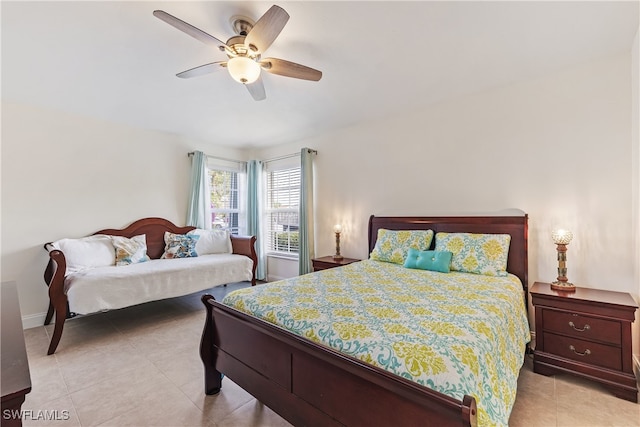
{"x":309,"y":384}
{"x":212,"y":378}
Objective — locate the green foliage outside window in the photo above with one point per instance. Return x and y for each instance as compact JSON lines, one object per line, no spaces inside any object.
{"x":287,"y":241}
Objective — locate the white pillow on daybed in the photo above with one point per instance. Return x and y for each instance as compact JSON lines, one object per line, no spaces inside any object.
{"x":87,"y":252}
{"x":212,"y":241}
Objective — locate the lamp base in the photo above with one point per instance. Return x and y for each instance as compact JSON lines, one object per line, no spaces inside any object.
{"x":338,"y":257}
{"x":563,"y":286}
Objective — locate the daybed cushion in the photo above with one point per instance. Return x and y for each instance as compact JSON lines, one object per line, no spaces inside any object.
{"x":107,"y":288}
{"x":212,"y":241}
{"x":87,"y":252}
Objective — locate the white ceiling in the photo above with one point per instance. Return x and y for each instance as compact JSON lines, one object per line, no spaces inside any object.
{"x":116,"y":61}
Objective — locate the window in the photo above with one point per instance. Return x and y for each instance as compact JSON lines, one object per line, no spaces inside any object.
{"x":227,"y":189}
{"x":282,"y":211}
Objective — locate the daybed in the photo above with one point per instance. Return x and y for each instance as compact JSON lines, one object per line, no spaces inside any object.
{"x":320,"y":369}
{"x":91,"y":281}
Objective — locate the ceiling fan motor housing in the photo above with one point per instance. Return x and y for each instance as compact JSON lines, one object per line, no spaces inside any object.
{"x":236,"y":47}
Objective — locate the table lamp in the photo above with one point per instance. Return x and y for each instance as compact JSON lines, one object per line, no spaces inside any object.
{"x":562,"y":238}
{"x":337,"y":229}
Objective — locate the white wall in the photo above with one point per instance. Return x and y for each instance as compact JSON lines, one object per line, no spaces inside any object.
{"x":279,"y":268}
{"x":635,"y":148}
{"x":68,"y":176}
{"x":557,"y":148}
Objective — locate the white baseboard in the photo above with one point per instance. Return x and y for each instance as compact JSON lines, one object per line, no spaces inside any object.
{"x":636,"y":360}
{"x":272,"y":278}
{"x":33,"y":320}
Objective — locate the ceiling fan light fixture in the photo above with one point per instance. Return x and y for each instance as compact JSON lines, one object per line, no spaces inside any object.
{"x":245,"y":50}
{"x":243,"y":70}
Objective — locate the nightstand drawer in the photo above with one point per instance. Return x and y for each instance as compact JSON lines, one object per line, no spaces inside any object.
{"x":583,"y":351}
{"x":319,"y":265}
{"x":583,"y":327}
{"x":326,"y":262}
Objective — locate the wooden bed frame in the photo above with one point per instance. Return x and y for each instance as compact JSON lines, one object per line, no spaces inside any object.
{"x":154,"y":229}
{"x":309,"y":384}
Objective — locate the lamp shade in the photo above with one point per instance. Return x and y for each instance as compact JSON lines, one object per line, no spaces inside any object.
{"x":243,"y":70}
{"x":337,"y":228}
{"x":561,"y":237}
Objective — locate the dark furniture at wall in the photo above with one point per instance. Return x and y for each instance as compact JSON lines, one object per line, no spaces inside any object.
{"x":310,"y":384}
{"x":586,"y":333}
{"x":326,"y":262}
{"x":16,"y":381}
{"x":154,"y":229}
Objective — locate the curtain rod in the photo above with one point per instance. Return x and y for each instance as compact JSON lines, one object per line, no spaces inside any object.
{"x":287,"y":156}
{"x":191,"y":153}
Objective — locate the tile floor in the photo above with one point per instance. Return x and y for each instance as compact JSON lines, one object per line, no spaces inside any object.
{"x":140,"y":367}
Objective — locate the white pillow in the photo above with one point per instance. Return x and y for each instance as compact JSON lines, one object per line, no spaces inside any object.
{"x":87,"y":252}
{"x":212,"y":241}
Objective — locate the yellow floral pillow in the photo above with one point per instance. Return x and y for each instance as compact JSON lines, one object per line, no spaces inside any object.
{"x":393,"y":245}
{"x":476,"y":253}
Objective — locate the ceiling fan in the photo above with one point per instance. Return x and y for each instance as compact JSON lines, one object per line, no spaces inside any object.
{"x":244,"y":50}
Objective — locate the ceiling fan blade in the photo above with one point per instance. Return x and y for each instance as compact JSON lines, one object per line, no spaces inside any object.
{"x":290,"y":69}
{"x":194,"y":32}
{"x":203,"y":69}
{"x":266,"y":29}
{"x":256,"y":89}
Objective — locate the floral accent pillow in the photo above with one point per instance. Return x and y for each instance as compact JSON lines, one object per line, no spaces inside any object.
{"x":393,"y":245}
{"x":130,"y":251}
{"x":476,"y":253}
{"x":180,"y":245}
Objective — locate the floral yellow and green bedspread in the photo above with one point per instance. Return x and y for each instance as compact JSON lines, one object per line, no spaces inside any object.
{"x":457,"y":333}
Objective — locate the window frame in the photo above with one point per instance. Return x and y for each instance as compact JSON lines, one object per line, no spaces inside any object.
{"x":239,"y":169}
{"x":292,"y":166}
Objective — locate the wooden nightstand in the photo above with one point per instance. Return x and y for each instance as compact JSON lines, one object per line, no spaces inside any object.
{"x":328,"y":262}
{"x":586,"y":333}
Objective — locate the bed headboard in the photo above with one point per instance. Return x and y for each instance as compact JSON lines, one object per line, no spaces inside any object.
{"x":516,"y":226}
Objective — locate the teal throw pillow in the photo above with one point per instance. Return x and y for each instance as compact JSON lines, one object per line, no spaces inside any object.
{"x":429,"y":260}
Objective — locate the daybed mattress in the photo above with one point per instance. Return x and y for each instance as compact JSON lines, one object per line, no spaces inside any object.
{"x":456,"y":333}
{"x":112,"y":287}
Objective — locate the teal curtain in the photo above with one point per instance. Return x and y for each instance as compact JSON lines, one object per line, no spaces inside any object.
{"x":306,"y":212}
{"x":197,"y":208}
{"x":254,"y":216}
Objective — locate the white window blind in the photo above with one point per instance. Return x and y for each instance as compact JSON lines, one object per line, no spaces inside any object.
{"x":282,"y":211}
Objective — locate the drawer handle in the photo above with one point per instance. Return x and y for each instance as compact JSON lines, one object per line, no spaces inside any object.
{"x":586,"y":352}
{"x":586,"y":327}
